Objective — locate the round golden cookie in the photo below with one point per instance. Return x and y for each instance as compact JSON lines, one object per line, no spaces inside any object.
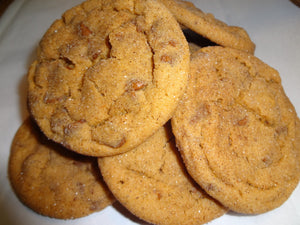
{"x":108,"y":75}
{"x":236,"y":131}
{"x":151,"y":182}
{"x":53,"y":181}
{"x":209,"y":27}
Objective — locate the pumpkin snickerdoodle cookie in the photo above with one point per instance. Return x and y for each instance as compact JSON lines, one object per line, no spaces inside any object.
{"x":151,"y":182}
{"x":53,"y":181}
{"x":108,"y":75}
{"x":237,"y":131}
{"x":209,"y":27}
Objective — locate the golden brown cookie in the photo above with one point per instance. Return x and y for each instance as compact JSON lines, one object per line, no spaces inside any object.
{"x":53,"y":181}
{"x":208,"y":26}
{"x":108,"y":75}
{"x":236,"y":131}
{"x":151,"y":182}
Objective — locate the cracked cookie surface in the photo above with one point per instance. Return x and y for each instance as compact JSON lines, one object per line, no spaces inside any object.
{"x":108,"y":75}
{"x":209,"y":27}
{"x":151,"y":182}
{"x":237,"y":131}
{"x":53,"y":181}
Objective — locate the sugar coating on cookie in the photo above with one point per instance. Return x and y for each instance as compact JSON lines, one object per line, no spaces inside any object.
{"x":53,"y":181}
{"x":108,"y":75}
{"x":208,"y":26}
{"x":151,"y":182}
{"x":237,"y":131}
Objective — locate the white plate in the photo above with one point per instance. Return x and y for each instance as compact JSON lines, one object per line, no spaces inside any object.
{"x":274,"y":25}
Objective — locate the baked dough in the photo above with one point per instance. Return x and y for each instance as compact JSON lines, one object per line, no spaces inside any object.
{"x":237,"y":131}
{"x":108,"y":75}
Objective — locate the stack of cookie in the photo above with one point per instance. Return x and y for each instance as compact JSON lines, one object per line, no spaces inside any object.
{"x":180,"y":133}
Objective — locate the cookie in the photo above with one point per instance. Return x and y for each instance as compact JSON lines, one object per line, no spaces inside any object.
{"x":209,"y":27}
{"x":151,"y":182}
{"x":236,"y":131}
{"x":108,"y":75}
{"x":53,"y":181}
